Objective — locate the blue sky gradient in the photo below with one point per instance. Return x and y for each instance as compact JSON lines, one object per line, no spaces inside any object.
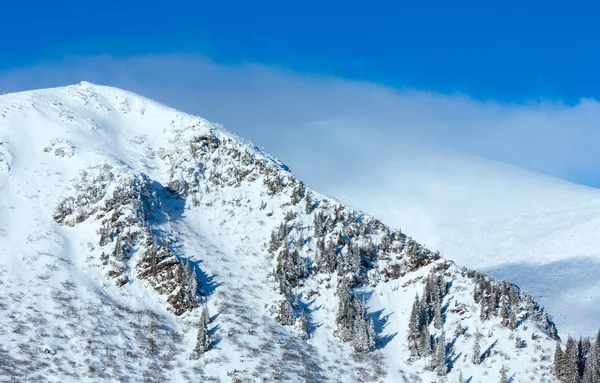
{"x":503,"y":50}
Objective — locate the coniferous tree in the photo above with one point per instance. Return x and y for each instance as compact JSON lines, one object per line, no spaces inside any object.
{"x":570,"y":362}
{"x":512,"y":320}
{"x":318,"y":224}
{"x":303,"y":326}
{"x":559,"y":362}
{"x":518,"y":342}
{"x":118,"y":251}
{"x":310,"y":205}
{"x":203,"y":338}
{"x":363,"y":331}
{"x":284,"y":313}
{"x":414,"y":327}
{"x":104,"y":234}
{"x":503,"y":374}
{"x":205,"y":317}
{"x":476,"y":357}
{"x":345,"y":315}
{"x":353,"y":259}
{"x":425,"y":343}
{"x":371,"y":335}
{"x":591,"y":373}
{"x":437,"y":314}
{"x":441,"y":366}
{"x":580,"y":357}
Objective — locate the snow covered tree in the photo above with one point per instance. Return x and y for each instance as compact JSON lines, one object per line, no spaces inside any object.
{"x":437,"y":314}
{"x":203,"y":337}
{"x":284,"y":312}
{"x":518,"y":342}
{"x":310,"y":205}
{"x":298,"y":192}
{"x":289,"y":269}
{"x":318,"y":224}
{"x":353,"y":259}
{"x":559,"y":362}
{"x":440,"y":363}
{"x":512,"y":320}
{"x":425,"y":347}
{"x":363,"y":331}
{"x":591,"y":373}
{"x":569,"y":366}
{"x":345,"y":315}
{"x":302,"y":325}
{"x":476,"y":354}
{"x":580,"y":355}
{"x":352,"y":321}
{"x":118,"y":251}
{"x":204,"y":317}
{"x":504,"y":374}
{"x":105,"y":234}
{"x":419,"y":338}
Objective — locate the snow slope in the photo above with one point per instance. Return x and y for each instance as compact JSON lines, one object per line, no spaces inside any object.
{"x":93,"y":180}
{"x":533,"y":230}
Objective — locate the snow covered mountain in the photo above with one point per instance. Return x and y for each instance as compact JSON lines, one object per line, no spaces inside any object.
{"x":139,"y":243}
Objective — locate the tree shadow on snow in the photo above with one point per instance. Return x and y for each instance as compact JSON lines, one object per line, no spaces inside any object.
{"x":206,"y":283}
{"x":380,"y":322}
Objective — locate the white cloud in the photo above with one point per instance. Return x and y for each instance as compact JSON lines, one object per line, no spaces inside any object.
{"x":291,"y":114}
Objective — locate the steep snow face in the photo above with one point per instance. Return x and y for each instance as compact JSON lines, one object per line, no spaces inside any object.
{"x":534,"y":230}
{"x":121,"y":218}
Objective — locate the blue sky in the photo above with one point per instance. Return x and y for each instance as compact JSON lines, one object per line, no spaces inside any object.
{"x":505,"y":50}
{"x":510,"y":81}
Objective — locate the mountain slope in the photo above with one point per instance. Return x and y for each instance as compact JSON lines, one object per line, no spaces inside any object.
{"x":122,"y":221}
{"x":534,"y":230}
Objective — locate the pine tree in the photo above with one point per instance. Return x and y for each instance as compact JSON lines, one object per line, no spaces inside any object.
{"x":414,"y":321}
{"x":203,"y":338}
{"x":205,"y":317}
{"x":104,"y":234}
{"x":118,"y":251}
{"x":476,"y":357}
{"x":310,"y":205}
{"x":371,"y":336}
{"x":580,"y":357}
{"x":441,"y":366}
{"x":460,"y":377}
{"x":425,"y":343}
{"x":353,"y":259}
{"x":438,"y":321}
{"x":591,"y":373}
{"x":503,"y":375}
{"x":559,"y":362}
{"x":302,"y":324}
{"x":519,"y":342}
{"x":512,"y":320}
{"x":570,"y":362}
{"x":284,"y":312}
{"x":363,"y":331}
{"x":345,"y":314}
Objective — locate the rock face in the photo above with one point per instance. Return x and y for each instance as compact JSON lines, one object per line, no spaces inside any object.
{"x":158,"y":246}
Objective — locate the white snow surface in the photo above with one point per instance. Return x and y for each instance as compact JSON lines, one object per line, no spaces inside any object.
{"x":55,"y":295}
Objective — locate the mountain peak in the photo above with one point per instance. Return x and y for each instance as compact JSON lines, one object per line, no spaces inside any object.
{"x":152,"y":244}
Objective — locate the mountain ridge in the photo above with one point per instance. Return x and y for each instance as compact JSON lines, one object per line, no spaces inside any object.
{"x":142,"y":209}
